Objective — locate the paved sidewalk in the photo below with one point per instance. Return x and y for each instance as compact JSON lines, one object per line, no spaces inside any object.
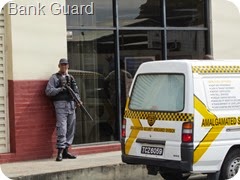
{"x":44,"y":166}
{"x":92,"y":166}
{"x":100,"y":166}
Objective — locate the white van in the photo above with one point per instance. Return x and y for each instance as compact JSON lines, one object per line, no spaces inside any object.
{"x":183,"y":117}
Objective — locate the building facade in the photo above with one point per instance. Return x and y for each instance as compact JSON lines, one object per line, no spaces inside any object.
{"x":105,"y":42}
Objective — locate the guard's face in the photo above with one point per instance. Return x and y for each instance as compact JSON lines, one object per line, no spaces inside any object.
{"x":63,"y":68}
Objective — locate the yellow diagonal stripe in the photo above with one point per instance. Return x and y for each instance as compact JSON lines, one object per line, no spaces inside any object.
{"x":133,"y":135}
{"x":202,"y":109}
{"x":211,"y":135}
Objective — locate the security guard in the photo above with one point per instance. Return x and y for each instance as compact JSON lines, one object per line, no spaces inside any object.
{"x":64,"y":108}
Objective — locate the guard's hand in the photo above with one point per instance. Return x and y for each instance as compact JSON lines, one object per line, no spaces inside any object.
{"x":63,"y":88}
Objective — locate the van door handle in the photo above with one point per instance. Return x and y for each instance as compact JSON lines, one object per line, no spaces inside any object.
{"x":148,"y":141}
{"x":231,"y":129}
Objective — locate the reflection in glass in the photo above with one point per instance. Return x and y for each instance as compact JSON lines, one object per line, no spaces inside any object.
{"x":101,"y":16}
{"x":143,"y":13}
{"x":136,"y":47}
{"x":186,"y":44}
{"x":125,"y":82}
{"x":185,"y":13}
{"x":90,"y":54}
{"x":140,"y":42}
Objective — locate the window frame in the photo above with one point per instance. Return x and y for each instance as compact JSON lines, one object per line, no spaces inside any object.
{"x":116,"y":28}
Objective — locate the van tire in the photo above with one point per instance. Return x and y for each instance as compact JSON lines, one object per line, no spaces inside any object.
{"x":175,"y":176}
{"x":230,"y":165}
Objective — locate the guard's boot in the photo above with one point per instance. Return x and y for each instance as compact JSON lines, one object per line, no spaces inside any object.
{"x":59,"y":155}
{"x":67,"y":155}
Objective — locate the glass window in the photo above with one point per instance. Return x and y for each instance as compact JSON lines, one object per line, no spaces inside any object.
{"x":186,"y":44}
{"x":98,"y":13}
{"x":137,"y":47}
{"x":158,"y":92}
{"x":185,"y":13}
{"x":90,"y":54}
{"x":144,"y":13}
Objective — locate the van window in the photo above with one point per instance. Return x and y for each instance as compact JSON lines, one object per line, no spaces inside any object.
{"x":158,"y":92}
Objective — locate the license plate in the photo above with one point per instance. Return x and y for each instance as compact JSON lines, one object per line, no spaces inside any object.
{"x":152,"y":150}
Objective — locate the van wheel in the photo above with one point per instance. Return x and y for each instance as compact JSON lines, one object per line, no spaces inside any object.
{"x":230,"y":165}
{"x":175,"y":176}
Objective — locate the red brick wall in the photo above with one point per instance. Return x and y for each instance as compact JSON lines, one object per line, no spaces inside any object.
{"x":32,"y":124}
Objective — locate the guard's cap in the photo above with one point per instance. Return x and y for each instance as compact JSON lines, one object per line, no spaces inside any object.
{"x":63,"y":61}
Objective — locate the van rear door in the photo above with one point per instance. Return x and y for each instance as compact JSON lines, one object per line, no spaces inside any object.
{"x":155,"y":115}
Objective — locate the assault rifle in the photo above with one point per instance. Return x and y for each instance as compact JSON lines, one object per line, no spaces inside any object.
{"x":77,"y":100}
